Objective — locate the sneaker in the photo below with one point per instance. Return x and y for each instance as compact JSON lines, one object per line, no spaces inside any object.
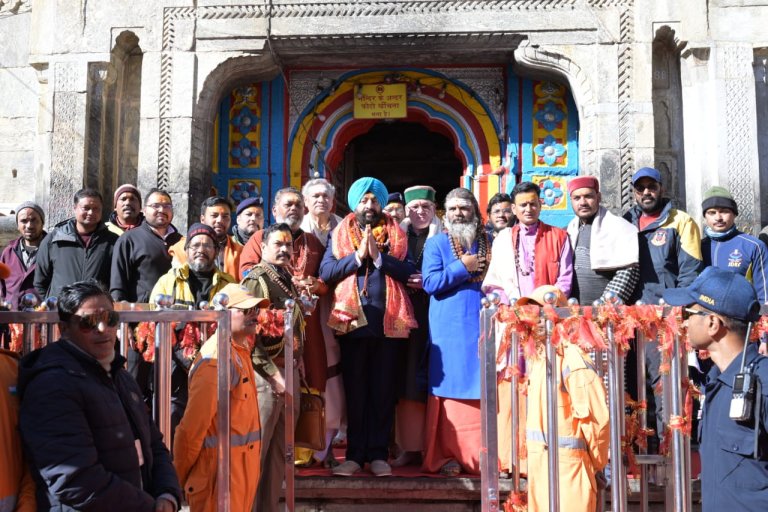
{"x":381,"y":468}
{"x":346,"y":468}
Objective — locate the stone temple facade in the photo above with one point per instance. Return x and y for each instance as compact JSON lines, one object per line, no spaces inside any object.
{"x":238,"y":96}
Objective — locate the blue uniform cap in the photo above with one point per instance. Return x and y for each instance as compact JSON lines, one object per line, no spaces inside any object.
{"x":720,"y":291}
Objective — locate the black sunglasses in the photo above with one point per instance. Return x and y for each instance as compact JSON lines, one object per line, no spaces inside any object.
{"x":91,"y":321}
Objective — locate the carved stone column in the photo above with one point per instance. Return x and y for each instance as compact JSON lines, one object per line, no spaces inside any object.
{"x":721,"y":140}
{"x":68,"y":144}
{"x":760,"y":66}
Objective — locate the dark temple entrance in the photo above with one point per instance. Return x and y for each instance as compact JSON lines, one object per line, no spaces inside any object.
{"x":402,"y":155}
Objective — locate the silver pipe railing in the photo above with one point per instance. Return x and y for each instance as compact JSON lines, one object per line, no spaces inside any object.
{"x":290,"y":487}
{"x":616,"y":405}
{"x":489,"y":456}
{"x":223,"y":383}
{"x":161,"y":404}
{"x":680,"y":442}
{"x":553,"y":445}
{"x":642,"y":417}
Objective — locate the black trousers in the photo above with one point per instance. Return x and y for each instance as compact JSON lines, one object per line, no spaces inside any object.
{"x":369,"y":368}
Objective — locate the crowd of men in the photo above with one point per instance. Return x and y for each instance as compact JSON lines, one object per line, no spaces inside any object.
{"x":386,"y":329}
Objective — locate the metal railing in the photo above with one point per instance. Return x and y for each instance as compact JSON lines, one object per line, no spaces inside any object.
{"x":678,"y":460}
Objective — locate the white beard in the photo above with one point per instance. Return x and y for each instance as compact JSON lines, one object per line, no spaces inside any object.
{"x":465,"y":232}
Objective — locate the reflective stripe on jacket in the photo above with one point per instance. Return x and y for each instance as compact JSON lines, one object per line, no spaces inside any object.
{"x":195,"y":444}
{"x":582,"y":424}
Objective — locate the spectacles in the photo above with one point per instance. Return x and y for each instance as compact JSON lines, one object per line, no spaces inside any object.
{"x":689,"y":312}
{"x":505,"y":210}
{"x":161,"y":206}
{"x":91,"y":321}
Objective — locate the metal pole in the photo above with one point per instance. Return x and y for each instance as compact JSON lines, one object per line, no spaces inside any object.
{"x":515,"y":459}
{"x":679,"y":441}
{"x":618,"y":474}
{"x":643,"y":416}
{"x":223,"y":390}
{"x":552,"y":429}
{"x":162,"y":398}
{"x":489,"y":453}
{"x":29,"y":302}
{"x":290,"y":495}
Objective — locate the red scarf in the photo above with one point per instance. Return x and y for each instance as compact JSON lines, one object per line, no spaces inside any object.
{"x":347,"y":311}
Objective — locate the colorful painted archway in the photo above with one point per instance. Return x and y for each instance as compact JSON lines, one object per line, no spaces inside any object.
{"x":444,"y":105}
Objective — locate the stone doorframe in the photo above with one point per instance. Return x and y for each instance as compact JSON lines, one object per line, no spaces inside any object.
{"x":589,"y":44}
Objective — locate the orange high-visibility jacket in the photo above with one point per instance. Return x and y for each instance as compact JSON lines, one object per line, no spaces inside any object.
{"x":195,"y":443}
{"x":17,"y":489}
{"x":583,"y":433}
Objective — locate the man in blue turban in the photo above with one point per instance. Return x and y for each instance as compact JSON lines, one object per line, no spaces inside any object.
{"x":364,"y":185}
{"x":366,"y":266}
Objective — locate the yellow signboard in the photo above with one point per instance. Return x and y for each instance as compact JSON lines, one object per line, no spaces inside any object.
{"x":381,"y":101}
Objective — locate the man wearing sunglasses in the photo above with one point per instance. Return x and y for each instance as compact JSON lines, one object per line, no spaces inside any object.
{"x":670,"y":257}
{"x":87,"y":435}
{"x":718,"y":307}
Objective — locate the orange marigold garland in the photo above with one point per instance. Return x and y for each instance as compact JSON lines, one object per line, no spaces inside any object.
{"x":516,"y":502}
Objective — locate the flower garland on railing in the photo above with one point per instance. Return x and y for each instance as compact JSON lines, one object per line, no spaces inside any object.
{"x":188,"y":338}
{"x":587,"y":327}
{"x":17,"y":333}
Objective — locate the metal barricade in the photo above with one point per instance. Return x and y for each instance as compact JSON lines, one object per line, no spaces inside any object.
{"x":680,"y":453}
{"x":290,"y":493}
{"x":489,"y":455}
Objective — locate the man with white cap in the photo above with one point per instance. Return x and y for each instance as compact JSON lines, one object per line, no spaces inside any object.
{"x":604,"y":245}
{"x":366,"y":264}
{"x":127,"y":209}
{"x":20,"y":255}
{"x":420,"y":224}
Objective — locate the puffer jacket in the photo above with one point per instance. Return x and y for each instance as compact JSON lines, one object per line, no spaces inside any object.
{"x":80,"y":426}
{"x":740,"y":253}
{"x":669,"y":250}
{"x":63,"y":258}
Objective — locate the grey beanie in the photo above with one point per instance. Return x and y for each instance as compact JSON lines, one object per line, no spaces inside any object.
{"x":34,"y":206}
{"x":719,"y":197}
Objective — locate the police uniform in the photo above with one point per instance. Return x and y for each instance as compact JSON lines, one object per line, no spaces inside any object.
{"x":731,"y":479}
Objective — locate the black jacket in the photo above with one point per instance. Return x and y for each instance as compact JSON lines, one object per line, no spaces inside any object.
{"x":79,"y":425}
{"x":63,"y":259}
{"x":140,"y":258}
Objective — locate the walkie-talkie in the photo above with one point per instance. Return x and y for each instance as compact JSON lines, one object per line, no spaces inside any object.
{"x":743,"y":399}
{"x":744,"y":385}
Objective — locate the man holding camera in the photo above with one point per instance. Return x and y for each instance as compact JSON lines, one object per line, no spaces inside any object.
{"x":717,"y":308}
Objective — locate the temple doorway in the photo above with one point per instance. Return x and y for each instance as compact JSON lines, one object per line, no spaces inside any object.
{"x":400,"y":154}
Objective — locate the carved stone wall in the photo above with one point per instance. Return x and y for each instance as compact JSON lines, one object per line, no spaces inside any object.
{"x":68,"y":164}
{"x":760,"y":66}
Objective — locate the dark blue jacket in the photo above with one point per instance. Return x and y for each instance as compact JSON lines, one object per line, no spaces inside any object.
{"x":333,"y":270}
{"x":730,"y":478}
{"x":740,"y":253}
{"x":79,"y":425}
{"x":669,"y":250}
